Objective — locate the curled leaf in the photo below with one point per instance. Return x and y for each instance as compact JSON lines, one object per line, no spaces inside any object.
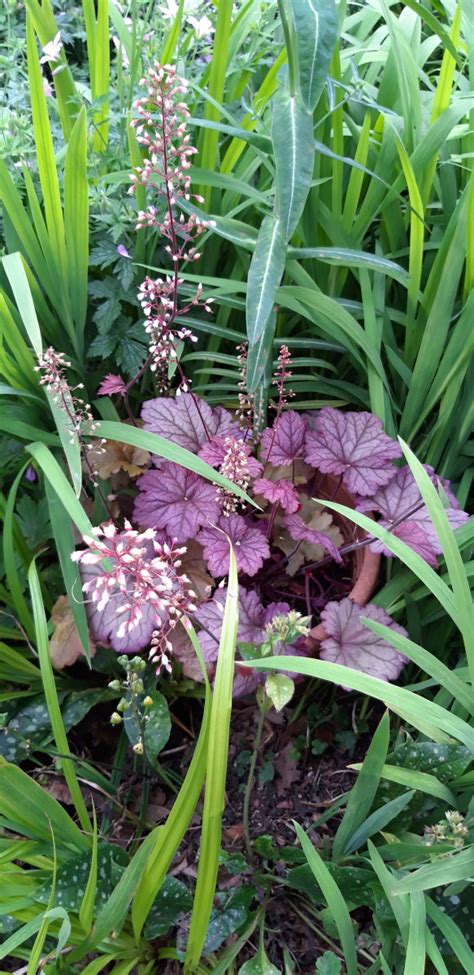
{"x":278,"y":492}
{"x":65,"y":645}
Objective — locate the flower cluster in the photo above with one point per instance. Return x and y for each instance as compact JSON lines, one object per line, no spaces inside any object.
{"x":235,"y":466}
{"x":454,"y":831}
{"x":161,"y":129}
{"x":133,"y":584}
{"x":52,"y":366}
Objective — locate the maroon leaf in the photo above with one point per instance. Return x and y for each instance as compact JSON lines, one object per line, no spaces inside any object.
{"x":353,"y":445}
{"x":215,"y":450}
{"x":177,"y":500}
{"x":301,"y":532}
{"x":284,"y":442}
{"x":187,"y":420}
{"x":250,"y":546}
{"x":278,"y":492}
{"x":397,"y":502}
{"x":352,"y":644}
{"x":112,"y":385}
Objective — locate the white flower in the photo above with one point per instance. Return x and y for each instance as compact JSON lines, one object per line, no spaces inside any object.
{"x":52,"y":50}
{"x":47,"y":88}
{"x":202,"y":25}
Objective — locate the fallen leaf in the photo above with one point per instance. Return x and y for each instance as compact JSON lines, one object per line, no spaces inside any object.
{"x":287,"y":769}
{"x":112,"y":457}
{"x":65,"y":645}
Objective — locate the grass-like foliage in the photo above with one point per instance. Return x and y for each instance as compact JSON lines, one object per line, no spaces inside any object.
{"x":236,"y":624}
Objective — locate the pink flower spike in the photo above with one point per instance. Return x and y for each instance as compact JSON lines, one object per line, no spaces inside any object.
{"x":278,"y":492}
{"x":352,"y":644}
{"x":354,"y":446}
{"x":250,"y":546}
{"x":112,"y":385}
{"x":301,"y":532}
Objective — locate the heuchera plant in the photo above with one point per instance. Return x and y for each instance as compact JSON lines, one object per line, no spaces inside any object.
{"x":295,"y":559}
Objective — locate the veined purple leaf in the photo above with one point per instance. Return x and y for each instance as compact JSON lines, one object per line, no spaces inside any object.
{"x":278,"y":492}
{"x":215,"y":450}
{"x":301,"y":532}
{"x":353,"y":445}
{"x":397,"y":502}
{"x":187,"y":420}
{"x":284,"y":442}
{"x":177,"y":500}
{"x":250,"y":546}
{"x":352,"y":644}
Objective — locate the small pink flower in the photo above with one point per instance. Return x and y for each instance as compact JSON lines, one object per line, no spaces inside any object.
{"x":112,"y":385}
{"x":47,"y":88}
{"x":122,"y":250}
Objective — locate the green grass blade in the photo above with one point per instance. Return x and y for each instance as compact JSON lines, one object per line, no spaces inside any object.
{"x":363,"y":792}
{"x":209,"y":142}
{"x":86,"y":910}
{"x":406,"y":554}
{"x":378,"y":820}
{"x":454,"y":562}
{"x":442,"y":674}
{"x":35,"y":813}
{"x":421,"y":781}
{"x":51,"y":697}
{"x":416,"y":708}
{"x":334,"y":900}
{"x":415,"y":960}
{"x":452,"y":934}
{"x":169,"y":836}
{"x":164,"y":448}
{"x":216,"y":771}
{"x":61,"y":486}
{"x":76,"y":221}
{"x":447,"y":870}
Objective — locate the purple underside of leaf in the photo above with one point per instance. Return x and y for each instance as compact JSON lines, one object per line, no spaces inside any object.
{"x":187,"y":420}
{"x":301,"y":532}
{"x":215,"y":450}
{"x":354,"y":446}
{"x":104,"y":624}
{"x":278,"y":492}
{"x":177,"y":500}
{"x":284,"y":442}
{"x":398,"y":498}
{"x":250,"y":545}
{"x":352,"y":644}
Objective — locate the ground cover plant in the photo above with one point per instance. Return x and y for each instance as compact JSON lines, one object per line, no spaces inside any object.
{"x":236,"y":355}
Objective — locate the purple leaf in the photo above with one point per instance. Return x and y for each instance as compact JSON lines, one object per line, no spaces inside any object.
{"x":301,"y":532}
{"x":283,"y":443}
{"x":396,"y":503}
{"x":278,"y":492}
{"x":250,"y":546}
{"x":187,"y":420}
{"x":177,"y":500}
{"x":352,"y":644}
{"x":215,"y":450}
{"x":353,"y":445}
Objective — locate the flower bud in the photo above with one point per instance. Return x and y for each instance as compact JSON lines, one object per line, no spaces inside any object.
{"x":116,"y":718}
{"x":138,"y":748}
{"x":147,"y":701}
